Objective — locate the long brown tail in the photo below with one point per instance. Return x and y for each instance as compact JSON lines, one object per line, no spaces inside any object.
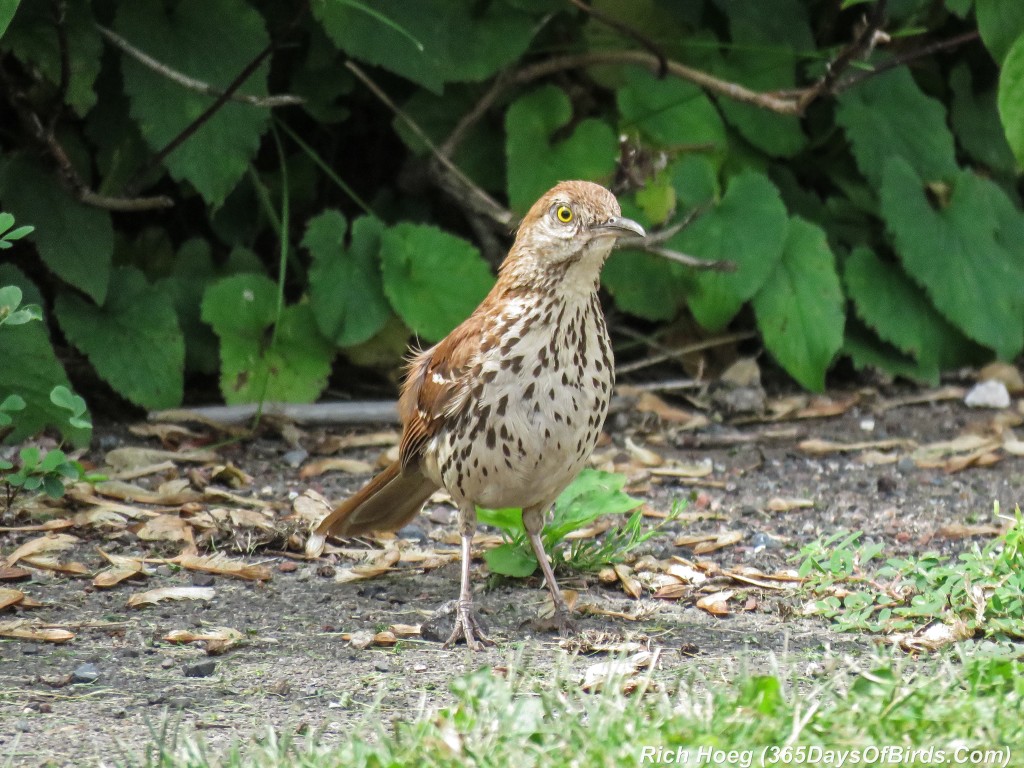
{"x":386,"y":503}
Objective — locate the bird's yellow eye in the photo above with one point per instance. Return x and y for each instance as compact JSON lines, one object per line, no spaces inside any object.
{"x":564,"y":214}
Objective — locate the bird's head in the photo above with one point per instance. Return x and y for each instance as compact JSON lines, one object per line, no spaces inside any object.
{"x":572,"y":227}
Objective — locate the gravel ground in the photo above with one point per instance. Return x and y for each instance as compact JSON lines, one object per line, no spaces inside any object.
{"x":95,"y":699}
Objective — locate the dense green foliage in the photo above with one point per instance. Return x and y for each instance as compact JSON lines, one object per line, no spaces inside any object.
{"x":858,"y":162}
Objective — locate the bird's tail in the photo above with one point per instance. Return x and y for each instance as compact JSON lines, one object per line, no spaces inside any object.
{"x":386,"y":503}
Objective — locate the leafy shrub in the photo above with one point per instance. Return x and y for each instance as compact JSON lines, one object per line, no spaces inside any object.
{"x":220,"y":186}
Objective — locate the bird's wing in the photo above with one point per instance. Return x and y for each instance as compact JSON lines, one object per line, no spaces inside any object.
{"x":437,"y":387}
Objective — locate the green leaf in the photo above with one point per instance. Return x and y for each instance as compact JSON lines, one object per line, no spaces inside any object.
{"x":511,"y":559}
{"x":241,"y":310}
{"x":32,"y":38}
{"x":1000,"y":22}
{"x":800,"y":307}
{"x":194,"y":270}
{"x":508,"y":519}
{"x":535,"y":164}
{"x":211,"y":41}
{"x":12,"y":403}
{"x":897,"y":310}
{"x":591,"y":495}
{"x":31,"y":370}
{"x":643,"y":284}
{"x":7,"y":10}
{"x":133,"y":340}
{"x":1011,"y":98}
{"x":767,"y":38}
{"x":434,"y":280}
{"x":64,"y":398}
{"x":430,"y":42}
{"x":75,"y":241}
{"x":747,"y":228}
{"x":975,"y":120}
{"x":965,"y":252}
{"x":668,"y":111}
{"x":888,"y":116}
{"x":346,"y":291}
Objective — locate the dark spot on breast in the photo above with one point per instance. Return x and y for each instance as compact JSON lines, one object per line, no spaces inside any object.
{"x":502,"y":404}
{"x":528,"y":392}
{"x":492,"y":438}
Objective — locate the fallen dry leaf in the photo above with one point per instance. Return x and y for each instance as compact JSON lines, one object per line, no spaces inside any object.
{"x":222,"y":565}
{"x":57,"y":524}
{"x":1006,"y":373}
{"x":48,"y":543}
{"x":231,"y":476}
{"x":25,"y":630}
{"x":385,"y":639}
{"x":173,"y":493}
{"x":405,"y":630}
{"x":779,"y":504}
{"x":153,"y":596}
{"x":675,"y":591}
{"x":629,"y":584}
{"x":335,"y":443}
{"x":648,"y":402}
{"x":716,"y":604}
{"x":616,"y":671}
{"x":100,"y":517}
{"x":704,"y":543}
{"x":121,"y":568}
{"x":9,"y":597}
{"x":14,"y":574}
{"x":818,"y":447}
{"x":933,"y":637}
{"x":643,"y":455}
{"x":129,"y":458}
{"x":165,"y":528}
{"x":333,"y":464}
{"x":51,"y":563}
{"x":960,"y":531}
{"x":678,"y":469}
{"x":824,"y":407}
{"x":217,"y":639}
{"x":685,"y":573}
{"x":877,"y":458}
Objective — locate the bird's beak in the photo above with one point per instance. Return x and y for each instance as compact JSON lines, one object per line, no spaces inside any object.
{"x":619,"y":225}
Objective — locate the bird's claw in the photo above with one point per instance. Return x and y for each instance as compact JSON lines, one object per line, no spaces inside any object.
{"x":467,"y":627}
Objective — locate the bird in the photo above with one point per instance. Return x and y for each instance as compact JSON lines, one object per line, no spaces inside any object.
{"x":506,"y":409}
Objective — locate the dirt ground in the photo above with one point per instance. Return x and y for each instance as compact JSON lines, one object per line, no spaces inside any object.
{"x":295,"y":671}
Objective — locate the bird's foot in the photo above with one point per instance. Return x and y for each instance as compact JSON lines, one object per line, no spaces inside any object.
{"x":468,"y":627}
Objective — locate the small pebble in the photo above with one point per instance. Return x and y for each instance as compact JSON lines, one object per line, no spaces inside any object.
{"x":762,"y":540}
{"x":287,"y":566}
{"x":202,"y":580}
{"x":167,"y":662}
{"x":200,"y":668}
{"x":295,"y":457}
{"x":325,"y":571}
{"x":382,"y":665}
{"x":906,"y":464}
{"x":23,"y":725}
{"x":85,"y":673}
{"x":119,"y":713}
{"x":988,"y":394}
{"x":419,"y":667}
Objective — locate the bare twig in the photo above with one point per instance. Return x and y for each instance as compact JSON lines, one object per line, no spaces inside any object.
{"x":898,"y":61}
{"x":189,"y":130}
{"x":47,"y":138}
{"x":689,"y":349}
{"x":354,"y":412}
{"x":624,"y":29}
{"x":282,"y":100}
{"x":861,"y":45}
{"x":60,"y":11}
{"x":454,"y":180}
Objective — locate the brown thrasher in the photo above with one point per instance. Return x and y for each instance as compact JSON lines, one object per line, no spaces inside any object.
{"x":505,"y":411}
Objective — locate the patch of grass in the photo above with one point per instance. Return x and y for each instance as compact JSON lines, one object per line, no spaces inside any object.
{"x":981,"y":590}
{"x":965,"y":707}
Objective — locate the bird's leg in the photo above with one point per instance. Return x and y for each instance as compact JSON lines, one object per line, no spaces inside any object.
{"x":466,"y":624}
{"x":533,"y":521}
